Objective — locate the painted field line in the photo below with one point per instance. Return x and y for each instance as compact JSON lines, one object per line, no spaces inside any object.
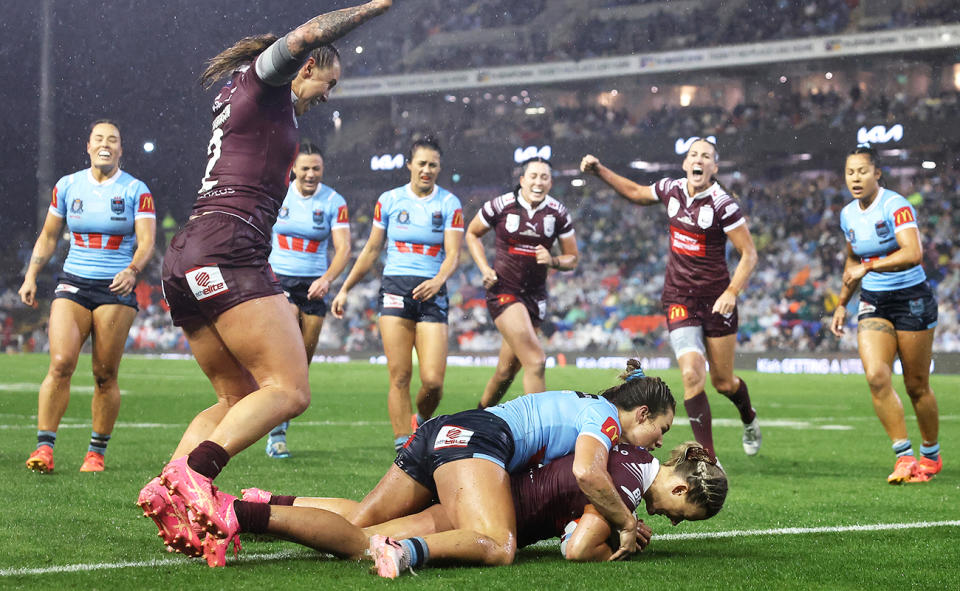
{"x":181,"y":426}
{"x":74,"y":568}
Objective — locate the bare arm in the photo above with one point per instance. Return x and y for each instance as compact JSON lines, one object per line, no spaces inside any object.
{"x":329,"y":27}
{"x":43,"y":249}
{"x":124,"y":281}
{"x":366,"y":259}
{"x":629,"y":190}
{"x":846,"y":292}
{"x":742,"y":240}
{"x":452,"y":245}
{"x":569,"y":254}
{"x":591,"y":540}
{"x":341,"y":254}
{"x":590,"y":470}
{"x":474,"y":232}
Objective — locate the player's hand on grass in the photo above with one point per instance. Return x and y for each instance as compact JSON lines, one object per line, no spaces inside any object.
{"x":628,"y":541}
{"x":644,"y":533}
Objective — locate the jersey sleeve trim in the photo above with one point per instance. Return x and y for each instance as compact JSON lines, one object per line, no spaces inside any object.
{"x":734,"y":225}
{"x":602,"y":439}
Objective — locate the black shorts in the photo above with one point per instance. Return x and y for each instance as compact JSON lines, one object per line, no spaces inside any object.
{"x":448,"y":438}
{"x":683,"y":311}
{"x":295,"y":288}
{"x":90,"y":293}
{"x":911,"y":308}
{"x":536,"y":304}
{"x":396,"y":299}
{"x":214,"y":263}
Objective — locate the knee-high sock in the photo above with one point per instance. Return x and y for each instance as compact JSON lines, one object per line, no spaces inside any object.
{"x":701,"y":421}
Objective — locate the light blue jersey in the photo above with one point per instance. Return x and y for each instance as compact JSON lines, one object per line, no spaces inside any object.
{"x":872,"y":233}
{"x":302,"y":230}
{"x":100,"y":218}
{"x":415,"y":227}
{"x":546,"y":425}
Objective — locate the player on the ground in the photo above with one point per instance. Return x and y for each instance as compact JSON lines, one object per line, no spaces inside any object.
{"x":107,"y":213}
{"x":421,"y":224}
{"x":699,"y":296}
{"x":216,"y":278}
{"x":897,"y":314}
{"x":527,"y":222}
{"x":311,"y":215}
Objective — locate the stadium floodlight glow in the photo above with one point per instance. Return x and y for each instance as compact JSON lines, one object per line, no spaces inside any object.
{"x":523,"y":154}
{"x":577,"y":182}
{"x":783,"y":79}
{"x":149,"y":147}
{"x":654,"y":89}
{"x":614,"y":92}
{"x":682,"y":145}
{"x":804,"y":156}
{"x":535,"y":110}
{"x":929,"y":165}
{"x":359,"y":49}
{"x":450,"y":98}
{"x":639,"y":164}
{"x":828,"y":75}
{"x":880,"y":134}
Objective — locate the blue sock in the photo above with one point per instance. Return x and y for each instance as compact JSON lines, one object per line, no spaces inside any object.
{"x":902,"y":448}
{"x":98,"y":442}
{"x":931,"y":452}
{"x":417,"y":549}
{"x":46,"y":438}
{"x":280,"y":430}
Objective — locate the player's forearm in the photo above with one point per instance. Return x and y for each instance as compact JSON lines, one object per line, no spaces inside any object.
{"x":448,"y":266}
{"x":360,"y":269}
{"x":624,"y":187}
{"x":477,"y":253}
{"x":329,"y":27}
{"x":564,"y":262}
{"x":599,"y":489}
{"x":339,"y":262}
{"x":43,"y":249}
{"x":741,"y":275}
{"x":146,"y":243}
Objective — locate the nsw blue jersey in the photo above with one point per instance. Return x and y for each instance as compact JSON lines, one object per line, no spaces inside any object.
{"x":100,"y":218}
{"x":546,"y":425}
{"x":415,"y":227}
{"x":302,"y":231}
{"x":872,"y":233}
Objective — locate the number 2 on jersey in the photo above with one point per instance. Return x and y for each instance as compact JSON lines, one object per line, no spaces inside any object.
{"x":213,"y":151}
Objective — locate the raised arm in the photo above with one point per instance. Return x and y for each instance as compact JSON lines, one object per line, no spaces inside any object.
{"x":329,"y":27}
{"x":629,"y":190}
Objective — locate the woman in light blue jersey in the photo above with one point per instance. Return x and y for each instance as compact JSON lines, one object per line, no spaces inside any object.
{"x":897,"y":314}
{"x":112,"y":222}
{"x":312,"y":215}
{"x":421,"y":225}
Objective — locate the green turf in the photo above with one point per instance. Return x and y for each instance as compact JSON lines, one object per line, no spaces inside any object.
{"x":805,"y":476}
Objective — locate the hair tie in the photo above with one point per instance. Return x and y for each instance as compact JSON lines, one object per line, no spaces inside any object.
{"x":635,"y":375}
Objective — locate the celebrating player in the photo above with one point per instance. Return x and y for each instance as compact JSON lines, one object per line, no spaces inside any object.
{"x":311,"y":214}
{"x":699,"y":296}
{"x":105,"y":210}
{"x":527,"y":222}
{"x":422,"y":225}
{"x":216,"y":278}
{"x":898,"y":311}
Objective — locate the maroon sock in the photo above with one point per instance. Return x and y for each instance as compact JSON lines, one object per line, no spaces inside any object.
{"x":282,"y":500}
{"x":701,"y":421}
{"x":252,"y":517}
{"x":208,"y":459}
{"x":741,"y":399}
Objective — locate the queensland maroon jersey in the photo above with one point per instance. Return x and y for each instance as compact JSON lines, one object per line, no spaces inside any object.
{"x":251,"y":151}
{"x":547,"y":498}
{"x":519,"y":228}
{"x":699,"y":224}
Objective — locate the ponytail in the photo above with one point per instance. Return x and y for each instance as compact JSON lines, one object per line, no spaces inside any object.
{"x":242,"y":52}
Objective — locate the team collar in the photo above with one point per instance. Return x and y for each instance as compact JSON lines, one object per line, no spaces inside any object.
{"x":108,"y":181}
{"x":701,"y":195}
{"x":528,"y":206}
{"x":409,"y":188}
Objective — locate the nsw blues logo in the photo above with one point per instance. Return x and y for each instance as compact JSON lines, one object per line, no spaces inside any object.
{"x":117,"y":205}
{"x":917,"y":307}
{"x":883,"y":230}
{"x":318,"y":217}
{"x":76,"y":206}
{"x":437,"y":219}
{"x":404,"y":216}
{"x":284,"y":213}
{"x":851,"y":236}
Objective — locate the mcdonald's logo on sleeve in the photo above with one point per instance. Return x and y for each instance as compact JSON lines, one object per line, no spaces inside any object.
{"x":677,"y":312}
{"x":343,"y":217}
{"x":611,"y":429}
{"x":53,"y":199}
{"x":457,"y":219}
{"x":377,"y":213}
{"x":904,"y":215}
{"x":146,"y":203}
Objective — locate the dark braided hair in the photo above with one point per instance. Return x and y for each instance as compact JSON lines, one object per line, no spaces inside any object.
{"x":706,"y":480}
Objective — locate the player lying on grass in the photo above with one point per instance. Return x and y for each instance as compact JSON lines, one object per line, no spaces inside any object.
{"x":547,"y":500}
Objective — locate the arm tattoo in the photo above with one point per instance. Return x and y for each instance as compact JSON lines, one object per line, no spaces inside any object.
{"x":877,"y":325}
{"x":329,"y":27}
{"x":37,"y":260}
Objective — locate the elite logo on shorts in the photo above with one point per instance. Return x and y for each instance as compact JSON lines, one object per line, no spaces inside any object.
{"x":206,"y":282}
{"x":67,"y":288}
{"x":392,"y":300}
{"x":452,"y":436}
{"x":611,"y":429}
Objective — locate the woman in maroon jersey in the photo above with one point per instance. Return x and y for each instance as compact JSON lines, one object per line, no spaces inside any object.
{"x":699,"y":296}
{"x":527,"y":222}
{"x":216,"y":277}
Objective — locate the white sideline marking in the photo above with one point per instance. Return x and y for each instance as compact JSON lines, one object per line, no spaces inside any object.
{"x":181,"y":426}
{"x":72,"y":568}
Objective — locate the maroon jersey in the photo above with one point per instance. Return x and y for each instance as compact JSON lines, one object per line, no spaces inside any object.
{"x":698,"y":237}
{"x":519,"y":228}
{"x":252,"y":150}
{"x":547,"y":498}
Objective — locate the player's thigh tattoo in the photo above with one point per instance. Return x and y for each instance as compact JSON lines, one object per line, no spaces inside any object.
{"x":877,"y":325}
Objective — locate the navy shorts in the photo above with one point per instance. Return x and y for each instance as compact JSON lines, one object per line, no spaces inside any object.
{"x":295,"y":288}
{"x":536,"y":304}
{"x":448,"y":438}
{"x":683,"y":311}
{"x":911,"y":308}
{"x":91,"y":293}
{"x":214,"y":263}
{"x":396,"y":299}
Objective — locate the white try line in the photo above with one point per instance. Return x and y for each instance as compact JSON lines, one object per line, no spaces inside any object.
{"x":253,"y":558}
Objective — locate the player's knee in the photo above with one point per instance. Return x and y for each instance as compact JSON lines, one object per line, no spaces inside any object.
{"x":535,"y":363}
{"x":62,"y":367}
{"x":916,"y":387}
{"x":104,"y":376}
{"x":298,"y":400}
{"x":432,"y":385}
{"x":722,"y":385}
{"x":501,"y":554}
{"x":400,"y":379}
{"x":878,"y":378}
{"x":693,"y":378}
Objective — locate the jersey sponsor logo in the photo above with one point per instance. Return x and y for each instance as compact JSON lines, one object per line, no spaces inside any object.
{"x":457,"y":219}
{"x":506,"y":298}
{"x":77,"y":206}
{"x":452,"y":436}
{"x":53,"y":199}
{"x":688,"y":244}
{"x":412,"y":247}
{"x":146,"y":203}
{"x":318,"y":217}
{"x":404,"y":216}
{"x":883,"y":230}
{"x":117,"y":205}
{"x":377,"y":213}
{"x":284,"y":213}
{"x":673,"y":207}
{"x":206,"y":282}
{"x":512,"y":223}
{"x":392,"y":300}
{"x":523,"y":250}
{"x":677,"y":312}
{"x":904,"y":215}
{"x":635,"y":495}
{"x":66,"y":288}
{"x":549,"y":225}
{"x":343,"y":216}
{"x":437,"y":220}
{"x":611,"y":429}
{"x":705,"y":217}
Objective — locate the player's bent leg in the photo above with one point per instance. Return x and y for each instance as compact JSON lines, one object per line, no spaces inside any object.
{"x":431,"y":346}
{"x":396,"y":495}
{"x":398,"y":335}
{"x":720,"y":353}
{"x":518,"y":332}
{"x":322,"y":530}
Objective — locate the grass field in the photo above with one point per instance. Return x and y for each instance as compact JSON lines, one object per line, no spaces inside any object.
{"x":823,"y":465}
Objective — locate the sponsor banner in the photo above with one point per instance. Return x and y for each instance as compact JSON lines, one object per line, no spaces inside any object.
{"x":899,"y":41}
